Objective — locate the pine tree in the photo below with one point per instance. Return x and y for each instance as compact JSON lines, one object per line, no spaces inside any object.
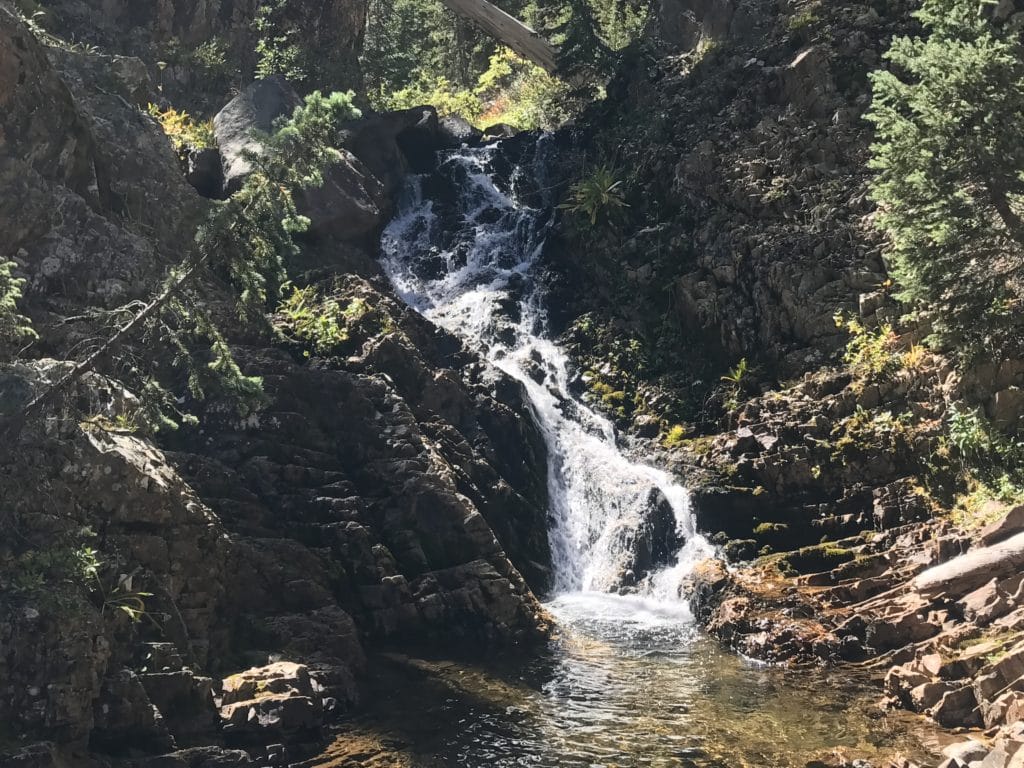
{"x":950,"y":163}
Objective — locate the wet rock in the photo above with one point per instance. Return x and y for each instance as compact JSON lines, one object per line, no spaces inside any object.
{"x":455,"y":132}
{"x":655,"y":541}
{"x":498,"y":131}
{"x":391,"y":144}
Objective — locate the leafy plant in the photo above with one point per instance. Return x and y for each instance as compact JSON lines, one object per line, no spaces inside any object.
{"x":14,"y":327}
{"x":736,"y":381}
{"x":324,"y":324}
{"x":675,"y":436}
{"x":122,"y":597}
{"x":182,"y":130}
{"x":871,"y":354}
{"x":598,"y":194}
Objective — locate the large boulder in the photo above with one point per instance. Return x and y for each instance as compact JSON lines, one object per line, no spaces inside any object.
{"x":279,"y":700}
{"x":238,"y":124}
{"x":352,"y":202}
{"x":455,"y":132}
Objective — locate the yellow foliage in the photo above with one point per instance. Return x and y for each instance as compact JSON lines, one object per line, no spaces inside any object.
{"x":182,"y":130}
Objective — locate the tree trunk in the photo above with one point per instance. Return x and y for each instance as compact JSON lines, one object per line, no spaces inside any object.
{"x":509,"y":31}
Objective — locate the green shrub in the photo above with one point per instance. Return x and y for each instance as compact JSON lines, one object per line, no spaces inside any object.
{"x":597,"y":194}
{"x":14,"y":327}
{"x":675,"y":436}
{"x":184,"y":132}
{"x":870,"y":354}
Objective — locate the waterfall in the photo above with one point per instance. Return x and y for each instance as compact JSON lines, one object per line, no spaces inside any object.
{"x":464,"y":250}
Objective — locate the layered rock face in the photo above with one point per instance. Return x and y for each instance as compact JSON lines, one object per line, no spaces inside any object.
{"x":380,"y":497}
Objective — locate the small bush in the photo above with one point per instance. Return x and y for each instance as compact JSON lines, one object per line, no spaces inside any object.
{"x":14,"y":327}
{"x":598,"y":194}
{"x":675,"y":436}
{"x":184,"y":132}
{"x":871,"y":354}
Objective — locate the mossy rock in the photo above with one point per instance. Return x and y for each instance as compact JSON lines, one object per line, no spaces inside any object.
{"x":740,"y":550}
{"x":818,"y":558}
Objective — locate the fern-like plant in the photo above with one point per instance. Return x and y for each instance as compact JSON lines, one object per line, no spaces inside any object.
{"x":14,"y":327}
{"x":598,"y":194}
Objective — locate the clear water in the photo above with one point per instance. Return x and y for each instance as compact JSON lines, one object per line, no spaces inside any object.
{"x":631,"y":680}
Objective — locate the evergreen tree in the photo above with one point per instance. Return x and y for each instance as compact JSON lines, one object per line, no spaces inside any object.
{"x":950,"y":162}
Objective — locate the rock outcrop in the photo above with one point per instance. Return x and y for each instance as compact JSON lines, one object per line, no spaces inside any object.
{"x":391,"y":493}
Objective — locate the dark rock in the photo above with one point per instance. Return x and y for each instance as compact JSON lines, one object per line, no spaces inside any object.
{"x":957,"y":708}
{"x":199,"y":757}
{"x":740,"y":550}
{"x":63,"y":150}
{"x":351,"y":204}
{"x":126,"y":720}
{"x":391,"y":144}
{"x":205,"y":172}
{"x":655,"y":542}
{"x":497,"y":132}
{"x":455,"y":132}
{"x":186,"y":702}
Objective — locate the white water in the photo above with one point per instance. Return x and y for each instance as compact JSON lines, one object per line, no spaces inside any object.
{"x":467,"y":259}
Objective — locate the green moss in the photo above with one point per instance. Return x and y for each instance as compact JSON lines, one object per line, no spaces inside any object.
{"x":819,"y":557}
{"x":768,"y":528}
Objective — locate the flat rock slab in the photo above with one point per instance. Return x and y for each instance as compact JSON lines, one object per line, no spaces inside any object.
{"x":968,"y":572}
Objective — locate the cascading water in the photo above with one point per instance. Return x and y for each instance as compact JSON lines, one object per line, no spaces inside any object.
{"x":467,"y":258}
{"x":631,"y":680}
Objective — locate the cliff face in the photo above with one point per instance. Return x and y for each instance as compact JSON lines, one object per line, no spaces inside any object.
{"x":379,"y":498}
